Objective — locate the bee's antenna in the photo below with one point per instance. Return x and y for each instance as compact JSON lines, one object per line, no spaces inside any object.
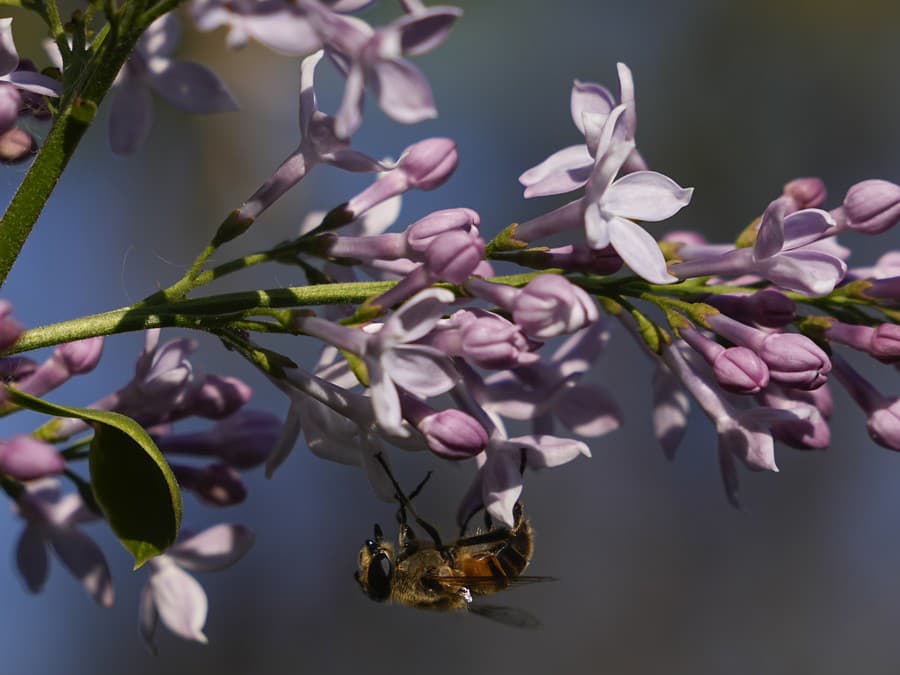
{"x":406,"y":505}
{"x":415,"y":493}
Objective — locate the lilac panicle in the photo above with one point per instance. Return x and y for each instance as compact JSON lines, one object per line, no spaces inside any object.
{"x":184,"y":84}
{"x":52,"y":519}
{"x":173,"y":596}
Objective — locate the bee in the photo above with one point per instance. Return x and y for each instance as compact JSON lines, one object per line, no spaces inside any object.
{"x":430,"y":575}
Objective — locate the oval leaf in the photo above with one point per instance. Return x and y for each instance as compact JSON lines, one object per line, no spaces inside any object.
{"x":132,"y":483}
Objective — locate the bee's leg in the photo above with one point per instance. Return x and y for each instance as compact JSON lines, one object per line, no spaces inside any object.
{"x":406,"y":505}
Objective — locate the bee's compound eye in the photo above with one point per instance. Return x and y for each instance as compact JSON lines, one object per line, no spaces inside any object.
{"x":378,"y":581}
{"x":371,"y":546}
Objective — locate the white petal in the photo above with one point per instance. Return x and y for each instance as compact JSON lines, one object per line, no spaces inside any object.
{"x":180,"y":601}
{"x":545,"y":451}
{"x":639,"y":250}
{"x":213,"y":549}
{"x":596,"y":226}
{"x":588,"y":97}
{"x":808,"y":272}
{"x":422,"y":371}
{"x":645,"y":195}
{"x":563,"y":171}
{"x":9,"y":58}
{"x":416,"y":317}
{"x":385,"y":400}
{"x":403,"y":92}
{"x":501,"y":485}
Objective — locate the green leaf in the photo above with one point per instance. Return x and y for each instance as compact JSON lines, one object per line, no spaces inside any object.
{"x":133,"y":485}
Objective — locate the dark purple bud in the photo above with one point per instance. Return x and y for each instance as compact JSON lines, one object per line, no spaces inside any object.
{"x":421,"y":234}
{"x":10,"y":329}
{"x":81,"y":356}
{"x":551,"y":305}
{"x":885,"y":342}
{"x":429,"y":163}
{"x":218,"y":397}
{"x":872,"y":206}
{"x":806,"y":193}
{"x":16,"y":145}
{"x":26,"y":458}
{"x":216,"y":484}
{"x":740,"y":371}
{"x":454,"y":256}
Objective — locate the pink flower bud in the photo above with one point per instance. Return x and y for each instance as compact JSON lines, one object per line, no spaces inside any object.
{"x":872,"y":206}
{"x":883,"y":424}
{"x":16,"y":145}
{"x":490,"y":341}
{"x":551,"y":305}
{"x":422,"y":233}
{"x":81,"y":356}
{"x":795,"y":360}
{"x":740,"y":370}
{"x":26,"y":458}
{"x":884,"y":344}
{"x":215,"y":485}
{"x":806,"y":193}
{"x":454,"y":255}
{"x":429,"y":163}
{"x":10,"y":329}
{"x":452,"y":434}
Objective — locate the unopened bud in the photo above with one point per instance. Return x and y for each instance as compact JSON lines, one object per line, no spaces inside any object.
{"x":741,"y":371}
{"x":218,"y":397}
{"x":806,"y":193}
{"x":26,"y":458}
{"x":884,"y":344}
{"x":422,"y":233}
{"x":454,"y":256}
{"x":551,"y":305}
{"x":10,"y":329}
{"x":872,"y":206}
{"x":81,"y":356}
{"x":216,"y":484}
{"x":429,"y":163}
{"x":16,"y":145}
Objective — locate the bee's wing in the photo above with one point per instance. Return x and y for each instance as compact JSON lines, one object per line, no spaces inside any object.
{"x":508,"y":616}
{"x":475,"y":584}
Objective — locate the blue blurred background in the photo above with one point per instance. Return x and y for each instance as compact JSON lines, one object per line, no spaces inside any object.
{"x":657,"y":573}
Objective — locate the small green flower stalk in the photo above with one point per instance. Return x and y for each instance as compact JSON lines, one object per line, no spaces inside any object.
{"x":433,"y":336}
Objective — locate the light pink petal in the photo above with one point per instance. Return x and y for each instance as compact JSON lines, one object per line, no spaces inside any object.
{"x":148,"y":617}
{"x":423,"y":31}
{"x":31,"y":558}
{"x":385,"y":400}
{"x":770,"y":237}
{"x":403,"y":91}
{"x":130,"y":117}
{"x":588,"y":97}
{"x":670,"y":410}
{"x":805,"y":227}
{"x":34,"y":82}
{"x":645,"y":195}
{"x":213,"y":549}
{"x":180,"y":601}
{"x":501,"y":485}
{"x":191,"y":87}
{"x":85,"y":561}
{"x":350,"y":113}
{"x":589,"y":411}
{"x":416,"y":318}
{"x":809,"y":272}
{"x":9,"y":57}
{"x":639,"y":250}
{"x":421,"y":371}
{"x":563,"y":171}
{"x":545,"y":452}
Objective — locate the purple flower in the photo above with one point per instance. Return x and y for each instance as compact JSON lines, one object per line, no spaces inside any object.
{"x":53,"y":519}
{"x":570,"y":168}
{"x":811,"y":431}
{"x":25,"y":458}
{"x":15,"y":79}
{"x":67,"y":360}
{"x":10,"y":329}
{"x":882,"y":412}
{"x":215,"y":485}
{"x":451,"y":434}
{"x":737,"y":369}
{"x":174,"y":596}
{"x":319,"y":144}
{"x":373,"y":57}
{"x":184,"y":84}
{"x":872,"y":206}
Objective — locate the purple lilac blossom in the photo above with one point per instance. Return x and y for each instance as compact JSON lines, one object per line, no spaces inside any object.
{"x":184,"y":84}
{"x":16,"y":82}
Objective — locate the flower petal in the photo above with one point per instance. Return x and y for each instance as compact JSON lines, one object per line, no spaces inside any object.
{"x":130,"y":117}
{"x":213,"y":549}
{"x":589,"y":411}
{"x":190,"y":86}
{"x":34,"y":82}
{"x":287,"y":437}
{"x":563,"y":171}
{"x":639,"y":250}
{"x":809,"y":272}
{"x":180,"y":601}
{"x":588,"y":97}
{"x":148,"y":617}
{"x":805,"y":227}
{"x":670,"y":410}
{"x":385,"y":400}
{"x":422,"y":371}
{"x":31,"y":558}
{"x":402,"y":91}
{"x":770,"y":236}
{"x":645,"y":195}
{"x":9,"y":57}
{"x":423,"y":31}
{"x":596,"y":226}
{"x":416,"y":318}
{"x":501,"y":485}
{"x":85,"y":561}
{"x":546,"y":452}
{"x":350,"y":113}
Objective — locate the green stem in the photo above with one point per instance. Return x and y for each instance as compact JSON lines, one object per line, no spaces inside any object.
{"x":76,"y":112}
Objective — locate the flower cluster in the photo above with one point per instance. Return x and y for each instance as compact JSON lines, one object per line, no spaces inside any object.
{"x":425,"y":347}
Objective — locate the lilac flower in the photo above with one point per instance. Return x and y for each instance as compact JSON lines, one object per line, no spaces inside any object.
{"x":570,"y":168}
{"x":278,"y":25}
{"x":871,"y":207}
{"x":26,"y":458}
{"x":174,"y":596}
{"x":15,"y":79}
{"x":811,"y":431}
{"x":737,"y":369}
{"x":390,"y":357}
{"x":882,"y":412}
{"x":670,"y":409}
{"x":184,"y":84}
{"x":318,"y":144}
{"x":881,"y":342}
{"x":373,"y":58}
{"x":450,"y":434}
{"x":784,"y":254}
{"x":53,"y":519}
{"x":16,"y":145}
{"x":67,"y":360}
{"x":215,"y":485}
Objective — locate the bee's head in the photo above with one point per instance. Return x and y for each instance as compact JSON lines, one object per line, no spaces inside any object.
{"x":376,"y":567}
